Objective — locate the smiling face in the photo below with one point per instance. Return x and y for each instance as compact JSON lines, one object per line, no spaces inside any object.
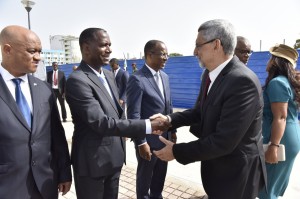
{"x":21,"y":50}
{"x":97,"y":51}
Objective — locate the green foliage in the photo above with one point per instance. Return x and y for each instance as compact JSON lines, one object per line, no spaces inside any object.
{"x":175,"y":55}
{"x":297,"y":44}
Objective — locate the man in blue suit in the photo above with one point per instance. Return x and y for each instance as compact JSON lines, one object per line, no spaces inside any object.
{"x":148,"y":92}
{"x":121,"y":77}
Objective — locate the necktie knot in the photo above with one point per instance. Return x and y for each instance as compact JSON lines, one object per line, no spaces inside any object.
{"x":17,"y":81}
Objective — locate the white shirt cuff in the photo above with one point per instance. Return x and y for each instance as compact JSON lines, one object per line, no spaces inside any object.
{"x":148,"y":126}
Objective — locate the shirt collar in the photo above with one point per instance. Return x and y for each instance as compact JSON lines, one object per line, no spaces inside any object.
{"x":214,"y":74}
{"x":97,"y":73}
{"x":151,"y":70}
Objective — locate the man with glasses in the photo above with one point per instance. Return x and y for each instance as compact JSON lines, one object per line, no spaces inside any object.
{"x":148,"y":92}
{"x":229,"y":114}
{"x":243,"y":49}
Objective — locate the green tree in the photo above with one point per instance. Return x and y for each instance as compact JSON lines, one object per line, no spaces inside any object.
{"x":297,"y":44}
{"x":175,"y":55}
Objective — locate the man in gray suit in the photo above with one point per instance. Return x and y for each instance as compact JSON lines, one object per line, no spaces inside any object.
{"x":148,"y":92}
{"x":229,"y":115}
{"x":98,"y":147}
{"x":34,"y":156}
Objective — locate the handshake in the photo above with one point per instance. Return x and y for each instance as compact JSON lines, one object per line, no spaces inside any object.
{"x":159,"y":123}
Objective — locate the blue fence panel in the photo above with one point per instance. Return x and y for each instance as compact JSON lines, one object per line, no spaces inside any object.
{"x":185,"y":73}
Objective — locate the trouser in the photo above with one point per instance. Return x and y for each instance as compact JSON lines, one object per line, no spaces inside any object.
{"x":61,"y":100}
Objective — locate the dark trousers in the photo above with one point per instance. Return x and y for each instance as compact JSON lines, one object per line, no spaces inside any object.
{"x":106,"y":187}
{"x":150,"y":175}
{"x":61,"y":100}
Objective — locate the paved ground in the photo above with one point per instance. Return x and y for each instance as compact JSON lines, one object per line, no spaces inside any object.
{"x":183,"y":181}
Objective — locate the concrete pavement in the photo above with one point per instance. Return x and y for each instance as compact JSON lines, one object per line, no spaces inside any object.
{"x":182,"y":181}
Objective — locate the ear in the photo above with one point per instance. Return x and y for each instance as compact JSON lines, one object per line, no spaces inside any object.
{"x":7,"y":49}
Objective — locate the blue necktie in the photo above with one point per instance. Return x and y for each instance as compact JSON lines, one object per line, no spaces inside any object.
{"x":21,"y":101}
{"x":104,"y":82}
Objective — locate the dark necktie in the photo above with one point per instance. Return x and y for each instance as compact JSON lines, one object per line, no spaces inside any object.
{"x":207,"y":83}
{"x":21,"y":101}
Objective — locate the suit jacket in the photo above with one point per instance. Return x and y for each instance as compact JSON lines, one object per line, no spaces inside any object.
{"x":121,"y":80}
{"x":97,"y":147}
{"x":61,"y":80}
{"x":230,"y":145}
{"x":42,"y":148}
{"x":144,"y":99}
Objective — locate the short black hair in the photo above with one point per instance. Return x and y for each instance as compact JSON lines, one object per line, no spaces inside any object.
{"x":150,"y":45}
{"x":54,"y":63}
{"x":89,"y":35}
{"x":114,"y":61}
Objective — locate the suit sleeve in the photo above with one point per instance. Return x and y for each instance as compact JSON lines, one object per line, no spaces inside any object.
{"x":124,"y":80}
{"x":94,"y":112}
{"x":134,"y":101}
{"x":59,"y":146}
{"x":228,"y":120}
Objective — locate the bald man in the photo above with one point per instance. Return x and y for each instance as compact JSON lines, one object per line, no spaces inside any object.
{"x":243,"y":49}
{"x":34,"y":156}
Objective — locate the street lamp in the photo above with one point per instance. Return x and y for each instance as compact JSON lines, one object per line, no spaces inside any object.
{"x":28,"y":6}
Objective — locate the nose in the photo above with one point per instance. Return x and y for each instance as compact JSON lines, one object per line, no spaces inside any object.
{"x":195,"y":51}
{"x":37,"y":56}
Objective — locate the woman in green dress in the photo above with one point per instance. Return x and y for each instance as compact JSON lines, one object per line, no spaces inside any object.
{"x":280,"y":118}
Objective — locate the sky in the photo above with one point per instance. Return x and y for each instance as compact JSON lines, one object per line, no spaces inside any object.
{"x":131,"y":23}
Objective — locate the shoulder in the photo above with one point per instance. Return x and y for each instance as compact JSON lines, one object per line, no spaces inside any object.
{"x":278,"y":83}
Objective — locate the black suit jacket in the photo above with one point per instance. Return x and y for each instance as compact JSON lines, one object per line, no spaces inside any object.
{"x":97,"y":147}
{"x":61,"y":80}
{"x":121,"y":80}
{"x":230,"y":145}
{"x":42,"y":148}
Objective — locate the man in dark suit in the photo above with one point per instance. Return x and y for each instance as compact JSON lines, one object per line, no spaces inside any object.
{"x":229,"y":113}
{"x":146,"y":97}
{"x":58,"y":81}
{"x":98,"y":149}
{"x":121,"y":77}
{"x":34,"y":156}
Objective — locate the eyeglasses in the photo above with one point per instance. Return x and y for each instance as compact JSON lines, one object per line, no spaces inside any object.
{"x":161,"y":54}
{"x":243,"y":52}
{"x":200,"y":45}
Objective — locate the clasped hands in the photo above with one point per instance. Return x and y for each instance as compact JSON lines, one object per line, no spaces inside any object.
{"x":159,"y":123}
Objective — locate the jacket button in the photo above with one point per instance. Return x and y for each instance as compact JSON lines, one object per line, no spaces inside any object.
{"x":33,"y":163}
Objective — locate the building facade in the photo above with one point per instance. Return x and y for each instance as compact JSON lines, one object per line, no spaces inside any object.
{"x":69,"y":44}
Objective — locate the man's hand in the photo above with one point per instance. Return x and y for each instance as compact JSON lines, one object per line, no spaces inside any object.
{"x":64,"y":187}
{"x":166,"y":153}
{"x":159,"y":124}
{"x":121,"y":102}
{"x":144,"y":151}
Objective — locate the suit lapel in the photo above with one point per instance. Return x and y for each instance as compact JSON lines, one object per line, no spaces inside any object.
{"x":6,"y":96}
{"x":93,"y":77}
{"x":35,"y":92}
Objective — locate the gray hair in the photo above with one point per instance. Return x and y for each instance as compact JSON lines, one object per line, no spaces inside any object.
{"x":222,"y":30}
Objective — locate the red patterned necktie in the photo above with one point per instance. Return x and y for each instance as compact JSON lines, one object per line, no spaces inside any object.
{"x":207,"y":83}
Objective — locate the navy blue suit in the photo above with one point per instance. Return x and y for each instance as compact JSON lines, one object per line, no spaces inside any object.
{"x":121,"y":80}
{"x":143,"y":100}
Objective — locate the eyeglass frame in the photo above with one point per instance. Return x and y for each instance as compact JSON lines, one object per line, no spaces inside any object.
{"x":160,"y":54}
{"x":200,"y":45}
{"x":243,"y":52}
